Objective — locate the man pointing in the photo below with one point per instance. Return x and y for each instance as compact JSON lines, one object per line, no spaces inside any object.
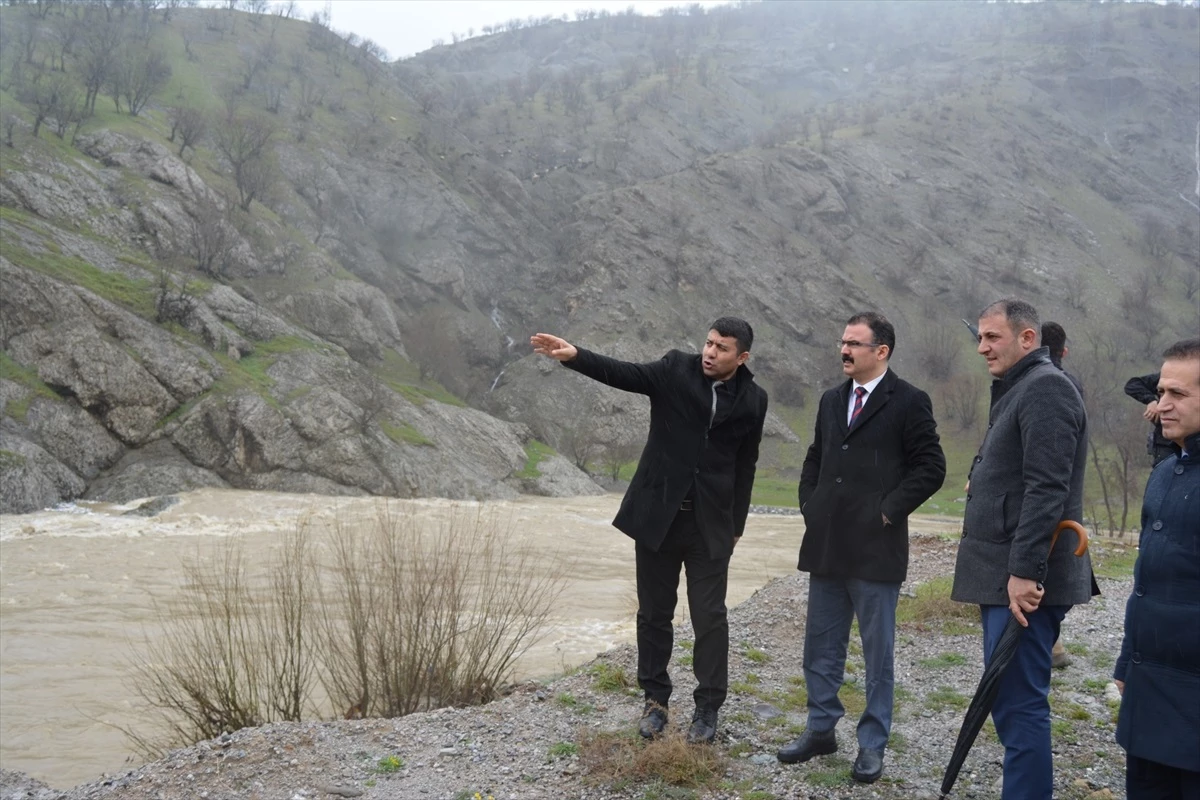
{"x":687,"y":503}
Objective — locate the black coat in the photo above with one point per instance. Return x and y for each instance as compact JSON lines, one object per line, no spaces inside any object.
{"x":889,"y":463}
{"x":682,"y":454}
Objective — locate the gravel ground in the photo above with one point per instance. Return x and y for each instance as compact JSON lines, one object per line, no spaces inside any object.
{"x":524,"y":745}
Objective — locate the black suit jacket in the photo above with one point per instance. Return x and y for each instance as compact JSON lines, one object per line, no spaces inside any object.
{"x":889,"y":463}
{"x":682,"y":454}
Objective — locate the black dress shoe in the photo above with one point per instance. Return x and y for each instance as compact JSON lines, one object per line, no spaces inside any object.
{"x":868,"y":766}
{"x":704,"y":727}
{"x":654,"y":719}
{"x":808,"y":745}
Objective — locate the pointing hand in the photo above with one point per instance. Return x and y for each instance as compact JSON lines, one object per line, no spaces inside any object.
{"x":549,"y":345}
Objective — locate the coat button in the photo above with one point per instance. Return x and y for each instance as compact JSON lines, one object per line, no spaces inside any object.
{"x":1136,"y":658}
{"x":837,"y":480}
{"x":978,"y":459}
{"x":968,"y":496}
{"x":1178,"y":469}
{"x":1139,"y":591}
{"x":1158,"y":525}
{"x":847,"y":447}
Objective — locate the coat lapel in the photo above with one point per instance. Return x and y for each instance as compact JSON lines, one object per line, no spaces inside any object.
{"x":843,"y":404}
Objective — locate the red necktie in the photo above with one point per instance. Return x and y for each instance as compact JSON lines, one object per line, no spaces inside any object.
{"x":859,"y":394}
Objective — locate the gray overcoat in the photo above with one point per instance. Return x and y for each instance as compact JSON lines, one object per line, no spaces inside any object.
{"x":1027,"y":477}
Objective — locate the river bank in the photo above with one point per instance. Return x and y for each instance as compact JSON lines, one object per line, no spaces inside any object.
{"x":539,"y":742}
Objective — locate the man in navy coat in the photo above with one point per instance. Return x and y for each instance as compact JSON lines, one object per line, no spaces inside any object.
{"x":874,"y":459}
{"x":687,"y":503}
{"x":1158,"y":671}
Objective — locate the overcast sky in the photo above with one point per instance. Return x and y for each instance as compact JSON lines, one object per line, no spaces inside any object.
{"x":406,"y":27}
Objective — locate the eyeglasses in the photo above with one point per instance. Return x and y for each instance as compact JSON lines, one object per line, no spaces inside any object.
{"x":853,"y":344}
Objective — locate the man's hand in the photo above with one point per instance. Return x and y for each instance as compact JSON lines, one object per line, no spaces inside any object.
{"x":550,"y":345}
{"x":1120,"y":687}
{"x":1024,"y":596}
{"x":1151,"y":412}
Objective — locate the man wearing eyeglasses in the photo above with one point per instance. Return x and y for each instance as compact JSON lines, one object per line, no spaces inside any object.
{"x":875,"y":457}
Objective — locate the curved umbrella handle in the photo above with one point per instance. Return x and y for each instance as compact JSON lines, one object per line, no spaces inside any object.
{"x":1080,"y":531}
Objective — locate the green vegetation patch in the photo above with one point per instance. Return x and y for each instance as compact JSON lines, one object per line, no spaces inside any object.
{"x":404,"y":433}
{"x":933,"y":606}
{"x":250,"y":373}
{"x":1114,"y":561}
{"x":11,"y":460}
{"x":24,"y":376}
{"x":562,"y":750}
{"x":389,"y":764}
{"x":130,"y":293}
{"x":943,"y":660}
{"x":535,"y":453}
{"x":768,"y":491}
{"x":945,"y":697}
{"x":609,"y":677}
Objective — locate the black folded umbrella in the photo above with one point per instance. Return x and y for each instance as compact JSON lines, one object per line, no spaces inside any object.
{"x":989,"y":684}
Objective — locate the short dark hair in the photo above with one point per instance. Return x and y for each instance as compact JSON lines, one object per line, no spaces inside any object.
{"x":1054,"y":337}
{"x":736,"y":327}
{"x":881,"y":329}
{"x":1184,"y":348}
{"x":1020,"y":315}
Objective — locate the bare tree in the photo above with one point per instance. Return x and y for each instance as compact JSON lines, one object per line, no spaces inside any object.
{"x":136,"y":74}
{"x":244,"y":142}
{"x":101,"y":43}
{"x":189,"y":124}
{"x":210,"y":239}
{"x":937,"y":348}
{"x":49,"y":96}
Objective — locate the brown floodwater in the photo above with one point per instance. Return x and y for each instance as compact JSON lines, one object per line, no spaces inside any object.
{"x":78,"y":588}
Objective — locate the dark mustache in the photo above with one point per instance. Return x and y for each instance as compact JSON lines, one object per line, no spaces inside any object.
{"x":847,"y":359}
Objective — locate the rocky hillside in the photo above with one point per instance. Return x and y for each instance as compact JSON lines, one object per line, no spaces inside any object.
{"x":243,"y":249}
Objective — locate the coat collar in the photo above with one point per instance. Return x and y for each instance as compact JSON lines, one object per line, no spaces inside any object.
{"x":1193,"y":448}
{"x":1001,"y":386}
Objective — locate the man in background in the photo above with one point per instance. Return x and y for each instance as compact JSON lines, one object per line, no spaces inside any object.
{"x":874,"y":459}
{"x":687,"y":503}
{"x":1026,"y":478}
{"x":1158,"y":671}
{"x":1054,"y":339}
{"x":1144,"y":389}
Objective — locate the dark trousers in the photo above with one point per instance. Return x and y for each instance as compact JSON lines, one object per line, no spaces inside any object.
{"x":657,"y":587}
{"x":1022,"y":709}
{"x":1149,"y":780}
{"x":833,"y":603}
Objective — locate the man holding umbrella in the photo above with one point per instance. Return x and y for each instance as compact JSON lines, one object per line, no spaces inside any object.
{"x":1026,"y":478}
{"x":1158,"y":671}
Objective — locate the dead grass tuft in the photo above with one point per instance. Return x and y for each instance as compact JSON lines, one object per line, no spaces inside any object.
{"x":611,"y":757}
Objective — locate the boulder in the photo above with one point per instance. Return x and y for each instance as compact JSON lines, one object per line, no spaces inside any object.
{"x":31,"y":478}
{"x":150,"y":471}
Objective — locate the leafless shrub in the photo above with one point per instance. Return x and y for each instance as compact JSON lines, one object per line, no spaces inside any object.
{"x":173,"y":303}
{"x":421,"y":616}
{"x":234,"y":652}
